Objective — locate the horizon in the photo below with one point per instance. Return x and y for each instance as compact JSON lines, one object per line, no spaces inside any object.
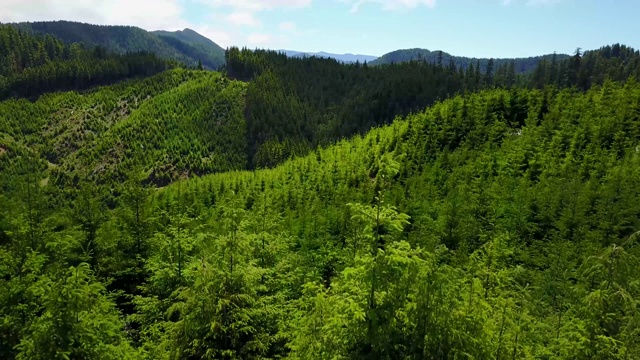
{"x":465,"y":28}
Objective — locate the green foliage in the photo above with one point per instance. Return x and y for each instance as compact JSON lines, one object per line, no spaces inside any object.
{"x":583,"y":70}
{"x":521,"y":65}
{"x":32,"y":65}
{"x":500,"y":224}
{"x":489,"y":238}
{"x":185,"y":46}
{"x":169,"y":126}
{"x":77,"y":321}
{"x":287,"y":116}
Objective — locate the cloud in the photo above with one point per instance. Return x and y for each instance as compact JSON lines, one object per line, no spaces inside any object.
{"x":531,"y":2}
{"x":148,"y":14}
{"x":243,"y":19}
{"x":259,"y":39}
{"x":258,"y":5}
{"x":287,"y":26}
{"x":390,"y":5}
{"x":223,"y":20}
{"x":220,"y":37}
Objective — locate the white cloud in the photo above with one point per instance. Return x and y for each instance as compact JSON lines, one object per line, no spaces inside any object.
{"x":287,"y":26}
{"x":220,"y":37}
{"x":259,"y":39}
{"x":243,"y":19}
{"x":390,"y":4}
{"x":147,"y":14}
{"x":164,"y":14}
{"x":531,"y":2}
{"x":258,"y":5}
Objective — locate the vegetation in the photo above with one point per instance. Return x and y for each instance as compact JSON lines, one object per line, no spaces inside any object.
{"x":186,"y":46}
{"x":521,"y":65}
{"x":210,"y":54}
{"x":286,"y":116}
{"x":174,"y":124}
{"x":412,"y":211}
{"x":615,"y":62}
{"x":31,"y":66}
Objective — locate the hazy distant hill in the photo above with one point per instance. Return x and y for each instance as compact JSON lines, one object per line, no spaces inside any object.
{"x":522,"y":64}
{"x":185,"y":46}
{"x":345,"y":58}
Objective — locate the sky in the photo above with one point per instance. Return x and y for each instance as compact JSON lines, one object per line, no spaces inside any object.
{"x":474,"y":28}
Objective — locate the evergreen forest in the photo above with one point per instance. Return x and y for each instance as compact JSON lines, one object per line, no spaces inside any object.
{"x":301,"y":208}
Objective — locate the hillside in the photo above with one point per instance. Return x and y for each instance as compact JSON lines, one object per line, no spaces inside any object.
{"x":197,"y":46}
{"x":31,"y":65}
{"x":185,"y":46}
{"x":302,"y":208}
{"x":521,"y":65}
{"x":521,"y":227}
{"x":170,"y":125}
{"x":497,"y":222}
{"x":295,"y":104}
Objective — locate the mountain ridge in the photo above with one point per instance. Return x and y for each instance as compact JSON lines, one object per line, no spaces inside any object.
{"x":181,"y":46}
{"x":522,"y":64}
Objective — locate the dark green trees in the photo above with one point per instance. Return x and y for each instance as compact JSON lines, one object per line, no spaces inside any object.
{"x":32,"y":65}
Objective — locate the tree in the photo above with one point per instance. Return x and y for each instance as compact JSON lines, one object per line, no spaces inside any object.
{"x":488,"y":75}
{"x":78,"y":320}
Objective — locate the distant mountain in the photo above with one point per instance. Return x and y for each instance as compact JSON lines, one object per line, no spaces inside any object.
{"x":185,"y":46}
{"x":204,"y":45}
{"x":521,"y":64}
{"x":345,"y":58}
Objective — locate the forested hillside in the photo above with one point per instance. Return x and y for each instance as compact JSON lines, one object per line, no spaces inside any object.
{"x":32,"y":65}
{"x":521,"y":65}
{"x":294,"y":105}
{"x":300,"y":208}
{"x":200,"y":48}
{"x":497,"y":225}
{"x":186,"y":46}
{"x":171,"y":125}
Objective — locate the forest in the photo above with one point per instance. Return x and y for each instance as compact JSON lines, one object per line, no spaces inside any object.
{"x":521,"y":65}
{"x":305,"y":209}
{"x":186,"y":46}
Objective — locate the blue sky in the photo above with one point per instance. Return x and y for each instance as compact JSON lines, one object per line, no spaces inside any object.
{"x":479,"y":28}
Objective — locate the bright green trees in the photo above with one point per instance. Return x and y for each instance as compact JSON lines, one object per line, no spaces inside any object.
{"x":393,"y":301}
{"x":77,"y":320}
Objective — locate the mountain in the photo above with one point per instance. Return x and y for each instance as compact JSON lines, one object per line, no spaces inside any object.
{"x":31,"y":65}
{"x":207,"y":49}
{"x":344,"y":58}
{"x":185,"y":46}
{"x":522,"y":65}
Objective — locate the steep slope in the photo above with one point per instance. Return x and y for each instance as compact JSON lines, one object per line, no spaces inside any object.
{"x":501,"y":223}
{"x":522,"y":65}
{"x":193,"y":129}
{"x":294,"y":104}
{"x":31,"y":65}
{"x":198,"y":47}
{"x":169,"y":125}
{"x":498,"y":217}
{"x":124,"y":39}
